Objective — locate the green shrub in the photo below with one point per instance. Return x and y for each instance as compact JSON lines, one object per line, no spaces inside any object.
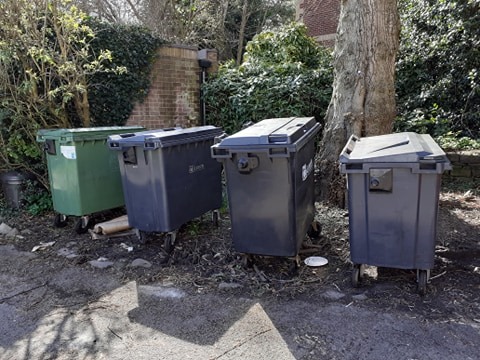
{"x":285,"y":73}
{"x":454,"y":141}
{"x":438,"y":79}
{"x":37,"y":199}
{"x":113,"y":87}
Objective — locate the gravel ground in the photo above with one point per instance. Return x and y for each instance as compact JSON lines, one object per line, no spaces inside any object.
{"x":202,"y":301}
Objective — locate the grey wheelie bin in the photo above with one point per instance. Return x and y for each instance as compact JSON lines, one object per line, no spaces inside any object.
{"x":393,"y":189}
{"x":269,"y":171}
{"x":168,"y":177}
{"x":83,"y":174}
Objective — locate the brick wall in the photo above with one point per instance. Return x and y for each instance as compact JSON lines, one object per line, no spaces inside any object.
{"x":320,"y":17}
{"x":174,"y":94}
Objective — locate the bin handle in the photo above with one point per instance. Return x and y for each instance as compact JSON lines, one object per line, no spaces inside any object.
{"x":124,"y":136}
{"x":219,"y":138}
{"x":246,"y":163}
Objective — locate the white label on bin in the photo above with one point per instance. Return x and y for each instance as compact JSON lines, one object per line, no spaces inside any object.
{"x":69,"y":152}
{"x":307,"y":170}
{"x":195,"y":168}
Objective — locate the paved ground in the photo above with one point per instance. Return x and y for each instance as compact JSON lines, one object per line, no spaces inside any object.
{"x":78,"y":298}
{"x":73,"y":312}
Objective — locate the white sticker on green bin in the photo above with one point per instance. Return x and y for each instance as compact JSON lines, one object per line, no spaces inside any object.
{"x":68,"y":152}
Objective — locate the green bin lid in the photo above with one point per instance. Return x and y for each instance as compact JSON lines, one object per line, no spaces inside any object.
{"x":84,"y":134}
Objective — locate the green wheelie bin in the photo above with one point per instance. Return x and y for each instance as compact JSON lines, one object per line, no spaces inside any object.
{"x":83,"y":173}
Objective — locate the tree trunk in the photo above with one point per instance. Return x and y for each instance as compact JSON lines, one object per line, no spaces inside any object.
{"x":363,"y":99}
{"x":241,"y":35}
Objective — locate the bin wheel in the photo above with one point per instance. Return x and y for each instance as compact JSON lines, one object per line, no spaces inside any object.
{"x":141,"y":236}
{"x":314,"y":230}
{"x":60,"y":220}
{"x":356,"y":275}
{"x":295,"y":265}
{"x":81,"y":225}
{"x":422,"y":278}
{"x":215,"y":218}
{"x":247,"y":261}
{"x":169,"y":242}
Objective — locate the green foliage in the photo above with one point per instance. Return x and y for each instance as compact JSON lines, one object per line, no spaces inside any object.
{"x":60,"y":69}
{"x":438,"y":79}
{"x":6,"y":211}
{"x":262,"y":15}
{"x":454,"y":141}
{"x":285,"y":74}
{"x":37,"y":199}
{"x":289,"y":45}
{"x":44,"y":67}
{"x":112,"y":95}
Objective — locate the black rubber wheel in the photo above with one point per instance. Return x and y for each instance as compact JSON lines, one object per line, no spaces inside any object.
{"x":81,"y":226}
{"x":169,"y":243}
{"x":247,"y":261}
{"x":141,"y":236}
{"x":60,"y":220}
{"x":294,"y":266}
{"x":356,"y":275}
{"x":215,"y":218}
{"x":314,"y":230}
{"x":422,"y":282}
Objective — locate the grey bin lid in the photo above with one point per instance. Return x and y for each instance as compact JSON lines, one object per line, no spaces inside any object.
{"x":268,"y":132}
{"x":406,"y":147}
{"x":161,"y":138}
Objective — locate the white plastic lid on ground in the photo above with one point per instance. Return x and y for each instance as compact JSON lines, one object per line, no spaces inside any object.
{"x":316,"y":261}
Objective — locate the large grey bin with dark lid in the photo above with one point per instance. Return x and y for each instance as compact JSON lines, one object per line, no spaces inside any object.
{"x":269,"y":171}
{"x":393,"y":190}
{"x":168,"y":177}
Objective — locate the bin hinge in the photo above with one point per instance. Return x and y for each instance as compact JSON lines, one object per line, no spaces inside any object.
{"x":246,"y":163}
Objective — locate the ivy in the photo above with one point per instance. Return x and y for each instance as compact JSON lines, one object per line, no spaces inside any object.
{"x":438,"y":86}
{"x":112,"y":96}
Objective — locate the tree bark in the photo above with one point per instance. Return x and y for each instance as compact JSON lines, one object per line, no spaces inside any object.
{"x":241,"y":35}
{"x":363,"y":99}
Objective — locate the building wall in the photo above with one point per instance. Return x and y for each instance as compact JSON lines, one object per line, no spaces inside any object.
{"x":174,"y":94}
{"x":320,"y":17}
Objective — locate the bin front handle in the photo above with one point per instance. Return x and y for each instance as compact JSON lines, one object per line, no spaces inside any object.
{"x":246,"y":163}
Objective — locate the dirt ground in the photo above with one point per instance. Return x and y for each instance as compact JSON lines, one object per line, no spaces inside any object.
{"x":202,"y":302}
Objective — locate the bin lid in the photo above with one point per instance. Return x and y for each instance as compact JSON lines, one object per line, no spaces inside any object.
{"x":84,"y":134}
{"x":406,"y":147}
{"x":161,"y":138}
{"x":271,"y":132}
